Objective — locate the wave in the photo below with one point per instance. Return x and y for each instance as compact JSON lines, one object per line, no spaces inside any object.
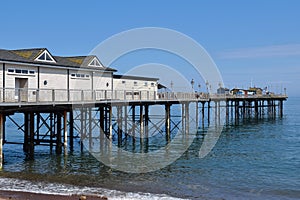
{"x":12,"y":184}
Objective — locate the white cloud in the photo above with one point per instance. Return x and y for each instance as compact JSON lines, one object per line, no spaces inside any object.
{"x":261,"y":52}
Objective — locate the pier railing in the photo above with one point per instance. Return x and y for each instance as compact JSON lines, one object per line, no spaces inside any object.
{"x":12,"y":95}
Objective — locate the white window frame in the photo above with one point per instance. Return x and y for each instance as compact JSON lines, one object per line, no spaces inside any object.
{"x":29,"y":72}
{"x":97,"y":63}
{"x":80,"y":76}
{"x":46,"y":53}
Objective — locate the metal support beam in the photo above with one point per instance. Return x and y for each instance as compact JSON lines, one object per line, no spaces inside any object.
{"x":133,"y":124}
{"x":110,"y":122}
{"x":1,"y":139}
{"x":167,"y":121}
{"x":227,"y":112}
{"x":90,"y":128}
{"x":119,"y":123}
{"x":58,"y":134}
{"x":280,"y":108}
{"x":146,"y":121}
{"x":187,"y":117}
{"x":125,"y":119}
{"x":65,"y":132}
{"x":183,"y":117}
{"x":203,"y":114}
{"x":71,"y":130}
{"x":101,"y":118}
{"x":197,"y":115}
{"x":82,"y":128}
{"x":208,"y":112}
{"x":52,"y":124}
{"x":31,"y":136}
{"x":141,"y":122}
{"x":256,"y":108}
{"x":26,"y":132}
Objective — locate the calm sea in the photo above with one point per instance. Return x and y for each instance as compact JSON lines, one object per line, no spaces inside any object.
{"x":257,"y":159}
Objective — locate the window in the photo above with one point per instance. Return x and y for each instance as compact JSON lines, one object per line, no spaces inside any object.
{"x":152,"y":84}
{"x":45,"y":57}
{"x":24,"y":71}
{"x":145,"y":83}
{"x":11,"y":70}
{"x":21,"y":71}
{"x":80,"y":76}
{"x":48,"y":57}
{"x":42,"y":57}
{"x":95,"y":63}
{"x":123,"y":82}
{"x":135,"y":83}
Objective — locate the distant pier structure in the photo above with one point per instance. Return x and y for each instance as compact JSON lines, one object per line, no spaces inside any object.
{"x":63,"y":99}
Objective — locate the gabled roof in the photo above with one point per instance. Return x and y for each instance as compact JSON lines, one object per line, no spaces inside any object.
{"x":31,"y":55}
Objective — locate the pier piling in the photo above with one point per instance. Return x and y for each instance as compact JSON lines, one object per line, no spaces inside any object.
{"x":71,"y":131}
{"x":65,"y":132}
{"x":58,"y":134}
{"x":31,"y":136}
{"x":1,"y":139}
{"x":167,"y":121}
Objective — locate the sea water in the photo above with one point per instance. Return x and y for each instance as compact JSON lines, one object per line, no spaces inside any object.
{"x":254,"y":159}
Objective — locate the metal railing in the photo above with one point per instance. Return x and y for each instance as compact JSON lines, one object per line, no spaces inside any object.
{"x":12,"y":95}
{"x":206,"y":96}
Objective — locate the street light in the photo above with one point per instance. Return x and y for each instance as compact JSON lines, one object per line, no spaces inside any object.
{"x":285,"y":91}
{"x":172,"y":84}
{"x":207,"y":84}
{"x":192,"y":83}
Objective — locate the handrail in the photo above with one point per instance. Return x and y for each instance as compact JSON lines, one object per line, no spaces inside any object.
{"x":33,"y":95}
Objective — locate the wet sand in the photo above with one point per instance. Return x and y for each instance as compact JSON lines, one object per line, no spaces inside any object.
{"x":13,"y":195}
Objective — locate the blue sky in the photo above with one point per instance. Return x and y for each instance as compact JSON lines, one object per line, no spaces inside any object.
{"x":248,"y":40}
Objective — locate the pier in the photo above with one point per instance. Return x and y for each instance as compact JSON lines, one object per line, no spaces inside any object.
{"x":55,"y":120}
{"x":66,"y":99}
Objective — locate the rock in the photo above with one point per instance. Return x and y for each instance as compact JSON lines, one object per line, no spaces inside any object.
{"x":82,"y":197}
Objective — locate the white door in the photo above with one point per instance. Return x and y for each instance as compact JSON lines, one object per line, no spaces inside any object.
{"x":21,"y":92}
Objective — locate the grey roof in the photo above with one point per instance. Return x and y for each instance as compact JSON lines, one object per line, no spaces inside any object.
{"x":116,"y":76}
{"x":29,"y":56}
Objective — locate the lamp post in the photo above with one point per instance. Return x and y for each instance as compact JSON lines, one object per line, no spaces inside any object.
{"x":285,"y":91}
{"x":172,"y":84}
{"x":207,"y":84}
{"x":192,"y":83}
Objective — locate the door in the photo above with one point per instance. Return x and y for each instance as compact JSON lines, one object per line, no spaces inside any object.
{"x":21,"y":85}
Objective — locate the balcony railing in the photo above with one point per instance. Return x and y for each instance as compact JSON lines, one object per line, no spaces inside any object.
{"x":11,"y":95}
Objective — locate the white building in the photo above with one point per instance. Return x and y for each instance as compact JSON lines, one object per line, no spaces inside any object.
{"x":35,"y":75}
{"x":134,"y":87}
